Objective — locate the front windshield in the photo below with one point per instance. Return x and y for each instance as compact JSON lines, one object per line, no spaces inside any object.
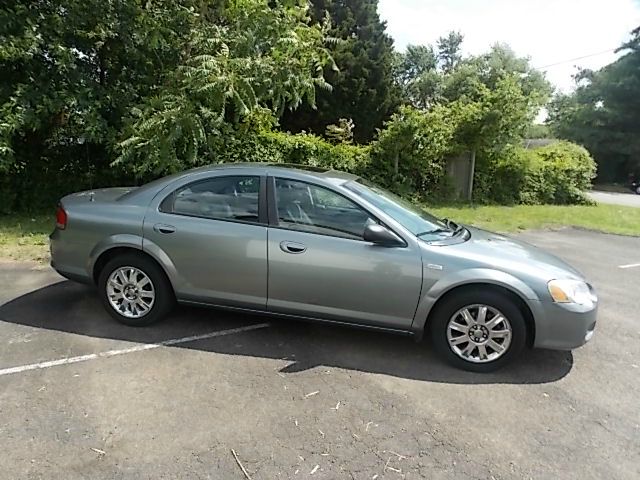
{"x":411,"y":217}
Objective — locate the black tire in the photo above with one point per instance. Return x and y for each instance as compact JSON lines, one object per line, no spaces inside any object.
{"x":456,"y":301}
{"x":164,"y":297}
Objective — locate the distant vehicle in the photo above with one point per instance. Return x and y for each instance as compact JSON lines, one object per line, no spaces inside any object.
{"x":635,"y":186}
{"x":319,"y":245}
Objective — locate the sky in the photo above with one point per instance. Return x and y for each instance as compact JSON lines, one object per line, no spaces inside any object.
{"x":547,"y":31}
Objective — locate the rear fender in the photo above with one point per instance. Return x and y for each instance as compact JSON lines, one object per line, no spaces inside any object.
{"x":113,"y":241}
{"x":135,"y":242}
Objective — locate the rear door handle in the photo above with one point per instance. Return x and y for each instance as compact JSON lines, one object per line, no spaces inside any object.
{"x":162,"y":228}
{"x":292,"y":247}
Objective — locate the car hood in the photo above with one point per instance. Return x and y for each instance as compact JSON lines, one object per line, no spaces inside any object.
{"x":508,"y":254}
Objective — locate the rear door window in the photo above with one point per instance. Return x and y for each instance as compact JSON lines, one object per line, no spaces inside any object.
{"x":233,"y":198}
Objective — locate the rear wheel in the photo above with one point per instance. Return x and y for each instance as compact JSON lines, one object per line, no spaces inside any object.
{"x":135,"y":290}
{"x":478,"y":330}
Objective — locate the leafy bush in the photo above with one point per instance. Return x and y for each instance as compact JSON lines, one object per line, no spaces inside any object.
{"x":557,"y":173}
{"x":409,"y":154}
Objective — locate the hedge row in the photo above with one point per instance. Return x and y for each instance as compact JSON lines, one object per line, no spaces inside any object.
{"x":558,"y":173}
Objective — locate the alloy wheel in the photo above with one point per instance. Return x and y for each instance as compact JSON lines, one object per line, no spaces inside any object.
{"x":479,"y":333}
{"x":130,"y":292}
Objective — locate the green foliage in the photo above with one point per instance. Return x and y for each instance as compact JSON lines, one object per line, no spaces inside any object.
{"x":258,"y":57}
{"x":409,"y":154}
{"x":98,"y":93}
{"x":363,"y":85}
{"x":603,"y":114}
{"x":538,"y":130}
{"x":449,"y":53}
{"x":558,"y":173}
{"x":253,"y":140}
{"x":498,"y":76}
{"x":342,"y":132}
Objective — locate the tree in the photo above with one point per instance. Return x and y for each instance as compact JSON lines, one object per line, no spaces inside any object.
{"x":259,"y":56}
{"x":603,"y":114}
{"x":79,"y":76}
{"x":363,"y":85}
{"x":417,"y":75}
{"x":449,"y":53}
{"x":70,"y":72}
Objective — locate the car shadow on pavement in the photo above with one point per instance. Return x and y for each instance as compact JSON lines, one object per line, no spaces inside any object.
{"x":74,"y":308}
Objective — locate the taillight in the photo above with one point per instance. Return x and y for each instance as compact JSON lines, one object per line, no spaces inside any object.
{"x":61,"y":218}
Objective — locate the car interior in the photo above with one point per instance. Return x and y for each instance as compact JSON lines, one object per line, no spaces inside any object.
{"x":233,"y":198}
{"x":310,"y":208}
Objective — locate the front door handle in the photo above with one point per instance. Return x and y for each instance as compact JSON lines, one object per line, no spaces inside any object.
{"x":162,"y":228}
{"x":292,"y":247}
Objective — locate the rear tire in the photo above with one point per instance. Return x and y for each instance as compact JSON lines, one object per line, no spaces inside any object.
{"x":490,"y":342}
{"x":135,"y":290}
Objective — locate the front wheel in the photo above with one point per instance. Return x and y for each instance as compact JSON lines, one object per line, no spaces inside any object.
{"x":478,"y":330}
{"x":135,"y":290}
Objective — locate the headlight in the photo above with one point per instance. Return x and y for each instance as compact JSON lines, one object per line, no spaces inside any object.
{"x":571,"y":291}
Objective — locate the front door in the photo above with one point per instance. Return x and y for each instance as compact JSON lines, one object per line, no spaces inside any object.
{"x":319,"y":265}
{"x":213,"y":234}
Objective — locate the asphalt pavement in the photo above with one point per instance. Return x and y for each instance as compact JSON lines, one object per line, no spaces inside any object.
{"x":207,"y":393}
{"x":614,"y":198}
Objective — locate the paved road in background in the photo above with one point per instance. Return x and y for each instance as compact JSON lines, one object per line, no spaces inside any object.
{"x":614,"y":198}
{"x":302,"y":401}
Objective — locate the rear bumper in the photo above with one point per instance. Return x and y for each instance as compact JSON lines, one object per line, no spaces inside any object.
{"x":64,"y":260}
{"x":73,"y":276}
{"x":564,"y":326}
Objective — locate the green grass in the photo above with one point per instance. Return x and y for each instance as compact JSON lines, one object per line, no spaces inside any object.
{"x":603,"y":218}
{"x":24,"y":237}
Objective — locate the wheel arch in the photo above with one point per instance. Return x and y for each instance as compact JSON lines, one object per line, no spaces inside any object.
{"x":523,"y":296}
{"x":110,"y":253}
{"x":520,"y":303}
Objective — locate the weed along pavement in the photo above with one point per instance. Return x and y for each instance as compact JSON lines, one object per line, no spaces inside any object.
{"x":210,"y":394}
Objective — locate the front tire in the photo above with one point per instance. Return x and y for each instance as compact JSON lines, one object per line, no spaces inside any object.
{"x":478,"y":330}
{"x":135,"y":290}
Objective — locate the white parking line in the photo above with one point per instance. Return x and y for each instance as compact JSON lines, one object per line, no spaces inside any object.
{"x":630,"y":265}
{"x":124,"y":351}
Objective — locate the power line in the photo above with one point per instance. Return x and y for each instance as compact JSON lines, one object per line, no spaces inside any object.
{"x":577,"y":58}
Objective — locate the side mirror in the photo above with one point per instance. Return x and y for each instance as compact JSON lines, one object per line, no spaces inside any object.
{"x":382,"y":236}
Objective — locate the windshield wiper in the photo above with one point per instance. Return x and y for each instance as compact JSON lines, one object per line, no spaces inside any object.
{"x":451,"y":227}
{"x":434,"y":231}
{"x":451,"y":224}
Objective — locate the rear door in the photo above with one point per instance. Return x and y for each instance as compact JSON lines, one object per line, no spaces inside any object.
{"x":320,"y":266}
{"x":213,"y":233}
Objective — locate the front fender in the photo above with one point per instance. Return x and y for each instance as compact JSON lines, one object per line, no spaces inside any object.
{"x":467,"y":277}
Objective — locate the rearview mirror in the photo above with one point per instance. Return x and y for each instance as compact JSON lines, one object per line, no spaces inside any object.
{"x":380,"y":235}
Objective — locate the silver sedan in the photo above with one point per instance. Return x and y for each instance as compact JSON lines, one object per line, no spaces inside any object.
{"x":319,"y":245}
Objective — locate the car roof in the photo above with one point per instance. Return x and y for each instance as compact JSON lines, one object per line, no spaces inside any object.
{"x":291,"y":171}
{"x":333,"y":176}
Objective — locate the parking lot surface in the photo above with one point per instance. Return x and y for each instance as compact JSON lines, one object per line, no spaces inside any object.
{"x":207,"y":393}
{"x":614,"y":198}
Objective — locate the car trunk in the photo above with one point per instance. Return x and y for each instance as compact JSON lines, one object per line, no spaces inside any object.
{"x":101,"y":195}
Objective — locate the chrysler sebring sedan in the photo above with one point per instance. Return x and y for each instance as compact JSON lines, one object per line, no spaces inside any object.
{"x":319,"y":245}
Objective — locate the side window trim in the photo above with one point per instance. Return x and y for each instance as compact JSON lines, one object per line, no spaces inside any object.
{"x":274,"y":221}
{"x":263,"y":219}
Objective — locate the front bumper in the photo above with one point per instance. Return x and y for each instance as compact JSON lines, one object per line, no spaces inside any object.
{"x":564,"y":326}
